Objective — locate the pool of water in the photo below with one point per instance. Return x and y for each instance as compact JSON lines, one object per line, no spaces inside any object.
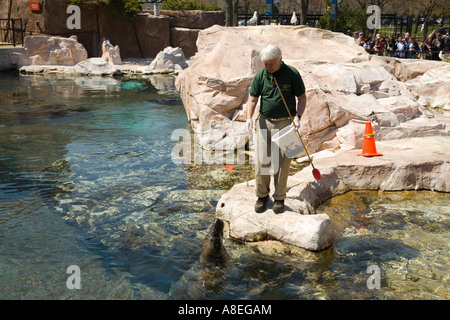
{"x":87,"y":179}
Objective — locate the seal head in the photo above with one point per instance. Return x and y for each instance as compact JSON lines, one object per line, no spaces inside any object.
{"x":213,"y":250}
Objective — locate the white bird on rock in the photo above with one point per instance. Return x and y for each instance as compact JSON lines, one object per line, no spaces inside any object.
{"x":293,"y":19}
{"x":444,"y":57}
{"x":254,"y":19}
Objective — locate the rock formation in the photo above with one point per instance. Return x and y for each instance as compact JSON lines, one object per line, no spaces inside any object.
{"x":49,"y":50}
{"x":346,"y":87}
{"x":59,"y":55}
{"x":110,"y":53}
{"x":343,"y":82}
{"x":169,"y":60}
{"x":94,"y":67}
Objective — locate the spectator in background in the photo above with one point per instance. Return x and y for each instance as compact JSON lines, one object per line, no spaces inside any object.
{"x":446,"y":41}
{"x":371,"y":45}
{"x":426,"y":49}
{"x":407,"y":42}
{"x":400,"y":48}
{"x":407,"y":39}
{"x":356,"y":38}
{"x":432,"y":35}
{"x":379,"y":46}
{"x":390,"y":44}
{"x":366,"y":45}
{"x":436,"y":46}
{"x":413,"y":48}
{"x":362,"y":40}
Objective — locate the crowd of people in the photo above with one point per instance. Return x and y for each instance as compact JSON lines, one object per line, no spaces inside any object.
{"x":407,"y":46}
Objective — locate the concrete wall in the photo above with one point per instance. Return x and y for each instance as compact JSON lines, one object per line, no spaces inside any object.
{"x":140,"y":36}
{"x":5,"y":62}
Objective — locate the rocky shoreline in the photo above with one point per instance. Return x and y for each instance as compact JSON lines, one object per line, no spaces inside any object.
{"x":51,"y":55}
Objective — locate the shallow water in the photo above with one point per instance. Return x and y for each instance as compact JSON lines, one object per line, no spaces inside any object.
{"x":86,"y":179}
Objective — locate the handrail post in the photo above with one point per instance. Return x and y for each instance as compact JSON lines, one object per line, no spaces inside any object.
{"x":13,"y":34}
{"x":21,"y":31}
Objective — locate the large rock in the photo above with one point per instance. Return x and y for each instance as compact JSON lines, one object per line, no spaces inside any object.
{"x":343,"y":84}
{"x":433,"y":87}
{"x":236,"y":208}
{"x":49,"y":50}
{"x":94,"y":67}
{"x":169,"y":60}
{"x":110,"y":53}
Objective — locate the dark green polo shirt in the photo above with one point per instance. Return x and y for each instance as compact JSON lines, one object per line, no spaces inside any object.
{"x":271,"y":104}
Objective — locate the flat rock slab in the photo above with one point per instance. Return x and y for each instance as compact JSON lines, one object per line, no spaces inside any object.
{"x":236,"y":208}
{"x":407,"y":164}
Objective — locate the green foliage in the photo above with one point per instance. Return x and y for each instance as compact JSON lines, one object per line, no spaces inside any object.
{"x":188,"y":5}
{"x":122,"y":7}
{"x":347,"y":19}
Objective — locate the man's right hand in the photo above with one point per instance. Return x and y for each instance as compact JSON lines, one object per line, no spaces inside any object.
{"x":249,"y":124}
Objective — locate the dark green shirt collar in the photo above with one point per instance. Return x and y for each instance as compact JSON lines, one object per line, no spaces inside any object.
{"x":276,"y":73}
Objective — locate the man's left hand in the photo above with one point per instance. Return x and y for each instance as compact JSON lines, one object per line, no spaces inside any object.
{"x":297,"y":121}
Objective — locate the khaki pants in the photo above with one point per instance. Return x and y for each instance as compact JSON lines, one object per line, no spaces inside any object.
{"x":270,"y":160}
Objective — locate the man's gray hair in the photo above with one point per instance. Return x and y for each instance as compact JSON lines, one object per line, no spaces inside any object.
{"x":270,"y":52}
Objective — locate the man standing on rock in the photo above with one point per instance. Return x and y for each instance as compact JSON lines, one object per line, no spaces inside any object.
{"x":273,"y":117}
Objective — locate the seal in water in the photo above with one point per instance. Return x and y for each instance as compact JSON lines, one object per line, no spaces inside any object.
{"x":213,"y":251}
{"x":206,"y":278}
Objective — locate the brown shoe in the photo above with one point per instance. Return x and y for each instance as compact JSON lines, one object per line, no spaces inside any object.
{"x":261,"y":204}
{"x":278,"y":206}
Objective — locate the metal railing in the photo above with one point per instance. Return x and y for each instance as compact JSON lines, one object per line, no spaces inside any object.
{"x":282,"y":18}
{"x":11,"y":32}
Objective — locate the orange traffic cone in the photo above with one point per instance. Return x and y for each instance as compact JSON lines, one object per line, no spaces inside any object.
{"x":369,"y":148}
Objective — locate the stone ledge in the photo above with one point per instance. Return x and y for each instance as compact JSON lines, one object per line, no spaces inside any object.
{"x":406,"y":164}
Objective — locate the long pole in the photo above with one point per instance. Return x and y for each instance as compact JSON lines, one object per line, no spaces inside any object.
{"x":296,"y":130}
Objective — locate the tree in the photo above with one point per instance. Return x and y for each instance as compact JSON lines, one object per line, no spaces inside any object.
{"x":122,"y":7}
{"x":425,"y":9}
{"x":229,"y":13}
{"x":304,"y":6}
{"x":347,"y":19}
{"x":188,"y":5}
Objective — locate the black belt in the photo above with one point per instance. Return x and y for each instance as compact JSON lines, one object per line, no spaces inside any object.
{"x":276,"y":120}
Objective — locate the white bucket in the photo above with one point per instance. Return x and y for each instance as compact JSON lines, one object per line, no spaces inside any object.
{"x":289,"y":142}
